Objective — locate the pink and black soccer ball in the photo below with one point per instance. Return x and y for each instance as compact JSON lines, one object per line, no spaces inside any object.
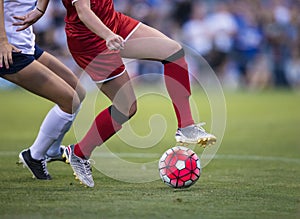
{"x":179,"y":167}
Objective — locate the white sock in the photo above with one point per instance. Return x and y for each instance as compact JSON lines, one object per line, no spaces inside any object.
{"x":54,"y":124}
{"x":54,"y":149}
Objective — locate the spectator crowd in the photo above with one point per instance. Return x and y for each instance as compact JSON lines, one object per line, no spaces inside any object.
{"x":253,"y":43}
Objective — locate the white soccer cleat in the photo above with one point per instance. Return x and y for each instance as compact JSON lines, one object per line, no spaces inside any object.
{"x":80,"y":166}
{"x":195,"y":134}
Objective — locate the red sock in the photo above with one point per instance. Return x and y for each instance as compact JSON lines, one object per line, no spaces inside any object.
{"x":178,"y":86}
{"x":103,"y":127}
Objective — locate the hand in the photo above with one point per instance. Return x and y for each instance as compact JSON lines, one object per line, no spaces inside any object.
{"x":6,"y":50}
{"x":115,"y":42}
{"x":28,"y":19}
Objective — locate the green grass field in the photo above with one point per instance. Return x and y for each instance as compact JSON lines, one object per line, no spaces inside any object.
{"x":255,"y":174}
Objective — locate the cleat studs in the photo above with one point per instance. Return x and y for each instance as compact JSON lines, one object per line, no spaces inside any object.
{"x":19,"y":162}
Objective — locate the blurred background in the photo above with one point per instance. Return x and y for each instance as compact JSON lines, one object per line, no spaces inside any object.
{"x":250,"y":43}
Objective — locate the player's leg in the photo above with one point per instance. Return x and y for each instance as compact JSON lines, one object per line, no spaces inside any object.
{"x":110,"y":120}
{"x":55,"y":152}
{"x":149,"y":43}
{"x":119,"y":90}
{"x":57,"y":67}
{"x":39,"y":80}
{"x":146,"y":42}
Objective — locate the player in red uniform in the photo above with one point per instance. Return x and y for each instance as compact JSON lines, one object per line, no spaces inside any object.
{"x":97,"y":37}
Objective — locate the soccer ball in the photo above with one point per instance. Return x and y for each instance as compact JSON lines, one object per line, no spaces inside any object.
{"x":179,"y":167}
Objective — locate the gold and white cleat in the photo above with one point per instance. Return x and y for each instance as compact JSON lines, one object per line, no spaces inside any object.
{"x":195,"y":134}
{"x":81,"y":167}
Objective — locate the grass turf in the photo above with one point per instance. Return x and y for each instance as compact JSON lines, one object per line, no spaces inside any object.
{"x":254,"y":175}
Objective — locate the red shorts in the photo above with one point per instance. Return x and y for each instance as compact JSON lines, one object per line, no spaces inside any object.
{"x":91,"y":53}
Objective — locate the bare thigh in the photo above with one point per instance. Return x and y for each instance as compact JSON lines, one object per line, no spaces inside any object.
{"x":62,"y":71}
{"x":121,"y":94}
{"x":149,"y":43}
{"x":41,"y":81}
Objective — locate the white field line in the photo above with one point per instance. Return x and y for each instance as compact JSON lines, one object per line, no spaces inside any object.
{"x":157,"y":156}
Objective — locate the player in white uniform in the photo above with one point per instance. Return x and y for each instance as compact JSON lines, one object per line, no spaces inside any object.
{"x":26,"y":65}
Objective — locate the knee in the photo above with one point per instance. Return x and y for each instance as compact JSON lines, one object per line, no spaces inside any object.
{"x":128,"y":110}
{"x":126,"y":104}
{"x":78,"y":96}
{"x":80,"y":92}
{"x":76,"y":102}
{"x":175,"y":47}
{"x":70,"y":103}
{"x":175,"y":55}
{"x":122,"y":117}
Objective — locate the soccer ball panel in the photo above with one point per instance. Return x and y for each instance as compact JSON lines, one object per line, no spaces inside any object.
{"x":194,"y":177}
{"x":197,"y":172}
{"x":180,"y":164}
{"x":188,"y":183}
{"x":166,"y":179}
{"x":186,"y":177}
{"x":172,"y":161}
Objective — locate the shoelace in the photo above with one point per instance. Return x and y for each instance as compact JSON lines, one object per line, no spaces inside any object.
{"x":87,"y":166}
{"x":199,"y":126}
{"x":91,"y":163}
{"x":44,"y":166}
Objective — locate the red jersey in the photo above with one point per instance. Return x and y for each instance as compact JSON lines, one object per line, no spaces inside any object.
{"x":81,"y":40}
{"x":88,"y":49}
